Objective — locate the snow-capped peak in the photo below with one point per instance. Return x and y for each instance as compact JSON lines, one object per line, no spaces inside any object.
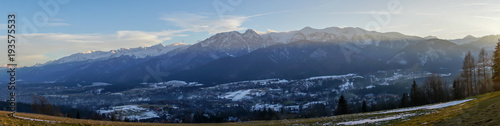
{"x":234,"y":40}
{"x":347,"y":34}
{"x":251,"y":40}
{"x":250,"y":34}
{"x":307,"y":30}
{"x":139,"y":52}
{"x":430,"y":37}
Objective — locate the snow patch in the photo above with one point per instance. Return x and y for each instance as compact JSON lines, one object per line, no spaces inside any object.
{"x":347,"y":85}
{"x":334,"y":77}
{"x":428,"y":107}
{"x":95,"y":84}
{"x":399,"y":116}
{"x":370,"y":86}
{"x":237,"y":95}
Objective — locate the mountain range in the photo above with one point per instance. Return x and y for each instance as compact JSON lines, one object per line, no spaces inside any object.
{"x":234,"y":56}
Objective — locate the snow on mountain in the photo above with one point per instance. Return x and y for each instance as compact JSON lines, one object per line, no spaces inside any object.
{"x":427,"y":52}
{"x":139,"y":52}
{"x":234,"y":40}
{"x":486,"y":42}
{"x":431,"y":37}
{"x":334,"y":34}
{"x":250,"y":40}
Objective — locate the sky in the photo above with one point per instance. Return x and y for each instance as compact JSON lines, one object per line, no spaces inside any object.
{"x":51,"y":29}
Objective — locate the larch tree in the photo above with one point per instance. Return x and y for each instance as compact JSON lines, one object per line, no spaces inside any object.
{"x":468,"y":74}
{"x":483,"y":76}
{"x":496,"y":67}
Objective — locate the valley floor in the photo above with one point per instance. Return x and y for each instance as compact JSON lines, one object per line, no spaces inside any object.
{"x":479,"y":110}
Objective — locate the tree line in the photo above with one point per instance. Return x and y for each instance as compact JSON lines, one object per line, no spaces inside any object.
{"x":477,"y":77}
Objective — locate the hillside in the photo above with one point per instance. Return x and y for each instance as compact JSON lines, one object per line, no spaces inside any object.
{"x":478,"y":110}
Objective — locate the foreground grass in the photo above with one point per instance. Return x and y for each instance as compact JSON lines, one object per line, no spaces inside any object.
{"x":6,"y":120}
{"x":484,"y":110}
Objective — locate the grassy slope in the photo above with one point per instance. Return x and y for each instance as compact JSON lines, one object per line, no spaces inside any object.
{"x":484,"y":110}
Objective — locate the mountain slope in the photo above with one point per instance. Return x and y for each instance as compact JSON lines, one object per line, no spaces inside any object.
{"x":434,"y":55}
{"x":352,"y":47}
{"x":466,"y":40}
{"x":486,"y":42}
{"x":290,"y":61}
{"x":356,"y":36}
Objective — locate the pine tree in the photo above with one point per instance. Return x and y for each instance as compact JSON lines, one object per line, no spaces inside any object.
{"x":78,"y":115}
{"x":341,"y":106}
{"x":458,"y":90}
{"x":404,"y":100}
{"x":468,"y":74}
{"x":496,"y":67}
{"x":363,"y":107}
{"x":69,"y":115}
{"x":414,"y":95}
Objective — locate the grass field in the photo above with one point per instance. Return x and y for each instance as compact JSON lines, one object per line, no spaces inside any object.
{"x":483,"y":110}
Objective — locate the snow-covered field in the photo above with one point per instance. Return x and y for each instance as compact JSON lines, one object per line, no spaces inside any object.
{"x":433,"y":106}
{"x":95,"y":84}
{"x":173,"y":83}
{"x":335,"y":77}
{"x":131,"y":112}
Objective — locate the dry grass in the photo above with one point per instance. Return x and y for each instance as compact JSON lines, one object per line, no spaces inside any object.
{"x":6,"y":120}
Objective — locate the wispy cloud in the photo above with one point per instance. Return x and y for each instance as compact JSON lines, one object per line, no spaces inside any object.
{"x":479,"y":4}
{"x":363,"y":12}
{"x":427,"y":13}
{"x":488,"y":17}
{"x":436,"y":30}
{"x":56,"y":20}
{"x":211,"y":24}
{"x":202,"y":23}
{"x":265,"y":32}
{"x":57,"y":24}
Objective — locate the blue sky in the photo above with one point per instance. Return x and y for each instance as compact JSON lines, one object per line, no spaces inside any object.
{"x":80,"y":26}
